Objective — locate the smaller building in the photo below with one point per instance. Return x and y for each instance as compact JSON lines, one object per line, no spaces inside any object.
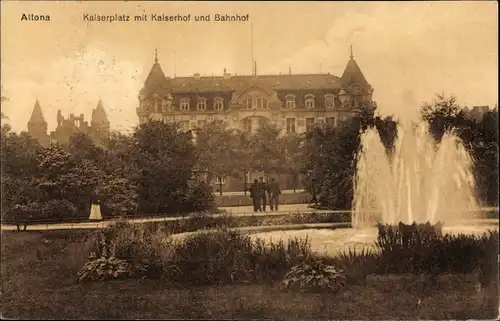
{"x":97,"y":130}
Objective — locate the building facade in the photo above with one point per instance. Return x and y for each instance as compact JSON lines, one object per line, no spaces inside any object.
{"x":66,"y":127}
{"x":295,"y":102}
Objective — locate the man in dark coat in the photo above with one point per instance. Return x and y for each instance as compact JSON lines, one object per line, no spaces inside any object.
{"x":274,"y":195}
{"x":254,"y":195}
{"x":314,"y":192}
{"x":262,"y":190}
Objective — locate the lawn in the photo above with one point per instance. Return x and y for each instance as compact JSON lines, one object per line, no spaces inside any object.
{"x":38,"y":281}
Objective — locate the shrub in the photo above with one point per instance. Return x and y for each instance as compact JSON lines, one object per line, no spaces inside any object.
{"x":58,"y":209}
{"x":199,"y":196}
{"x":315,"y":277}
{"x":223,"y":256}
{"x":358,"y":264}
{"x":423,"y":249}
{"x":136,"y":244}
{"x":103,"y":268}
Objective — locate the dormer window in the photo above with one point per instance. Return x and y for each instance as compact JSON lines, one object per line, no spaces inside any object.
{"x":329,"y":101}
{"x":309,"y":101}
{"x":218,"y":103}
{"x":201,"y":104}
{"x":184,"y":106}
{"x":290,"y":102}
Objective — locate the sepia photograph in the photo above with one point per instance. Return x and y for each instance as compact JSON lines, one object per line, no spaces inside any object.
{"x":249,"y":160}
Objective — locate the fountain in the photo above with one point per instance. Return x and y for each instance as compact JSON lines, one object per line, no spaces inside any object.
{"x":420,"y":180}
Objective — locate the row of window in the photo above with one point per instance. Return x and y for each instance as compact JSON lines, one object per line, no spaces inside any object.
{"x":290,"y":123}
{"x":309,"y":101}
{"x":259,"y":103}
{"x":201,"y":104}
{"x":311,"y":122}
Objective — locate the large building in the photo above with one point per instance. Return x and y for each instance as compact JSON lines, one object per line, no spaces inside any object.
{"x":97,"y":130}
{"x":296,"y":102}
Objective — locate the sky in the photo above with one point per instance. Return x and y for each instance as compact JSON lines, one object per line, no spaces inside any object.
{"x":408,"y":51}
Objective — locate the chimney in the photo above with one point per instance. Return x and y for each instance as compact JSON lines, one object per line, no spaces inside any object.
{"x":227,"y":75}
{"x":197,"y":76}
{"x":255,"y":68}
{"x":289,"y":70}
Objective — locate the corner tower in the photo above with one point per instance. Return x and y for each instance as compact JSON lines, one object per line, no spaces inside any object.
{"x":356,"y":91}
{"x":154,"y":96}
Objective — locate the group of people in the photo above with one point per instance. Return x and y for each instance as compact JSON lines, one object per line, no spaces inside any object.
{"x":258,"y":191}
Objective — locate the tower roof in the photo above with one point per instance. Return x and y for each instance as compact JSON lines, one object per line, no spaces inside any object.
{"x":352,"y":73}
{"x":156,"y":80}
{"x":99,"y":117}
{"x":37,"y":115}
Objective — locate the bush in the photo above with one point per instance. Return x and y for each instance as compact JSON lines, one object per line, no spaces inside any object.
{"x":423,"y":249}
{"x":199,"y":196}
{"x":218,"y":257}
{"x":315,"y":277}
{"x":58,"y":209}
{"x":102,"y":269}
{"x":18,"y":213}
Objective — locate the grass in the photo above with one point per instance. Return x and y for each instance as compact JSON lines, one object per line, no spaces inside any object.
{"x":38,"y":281}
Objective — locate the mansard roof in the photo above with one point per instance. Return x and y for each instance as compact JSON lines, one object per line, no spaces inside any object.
{"x":242,"y":83}
{"x":37,"y":115}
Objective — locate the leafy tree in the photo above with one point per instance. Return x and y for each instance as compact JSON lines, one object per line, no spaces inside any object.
{"x":267,"y":150}
{"x":292,"y":149}
{"x":167,"y":157}
{"x":82,"y":147}
{"x":441,"y":114}
{"x":217,"y":147}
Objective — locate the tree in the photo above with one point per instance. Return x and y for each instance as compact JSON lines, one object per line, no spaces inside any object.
{"x":267,"y":150}
{"x":480,"y":139}
{"x":167,"y":158}
{"x":217,"y":147}
{"x":292,"y":146}
{"x":441,"y":114}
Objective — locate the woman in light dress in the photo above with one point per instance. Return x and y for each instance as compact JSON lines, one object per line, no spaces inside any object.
{"x":95,"y":211}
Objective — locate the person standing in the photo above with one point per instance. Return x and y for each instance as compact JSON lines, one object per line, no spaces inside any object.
{"x":314,"y":192}
{"x":262,"y":192}
{"x":254,"y":195}
{"x":274,"y":195}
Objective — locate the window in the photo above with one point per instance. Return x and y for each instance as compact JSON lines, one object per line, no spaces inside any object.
{"x":218,"y":103}
{"x":329,"y":101}
{"x":310,"y":123}
{"x":248,"y":103}
{"x":158,"y":105}
{"x":220,"y":179}
{"x":330,"y":121}
{"x":201,"y":104}
{"x":290,"y":125}
{"x":201,"y":123}
{"x":309,"y":100}
{"x":321,"y":122}
{"x":184,"y":104}
{"x":290,"y":101}
{"x":247,"y":125}
{"x":184,"y":125}
{"x":260,"y":103}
